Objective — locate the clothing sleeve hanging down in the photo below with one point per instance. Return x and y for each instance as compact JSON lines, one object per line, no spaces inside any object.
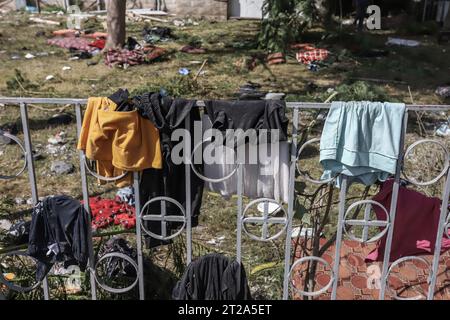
{"x":167,"y":115}
{"x":361,"y":140}
{"x":213,"y":277}
{"x":58,"y":233}
{"x":416,"y":223}
{"x":260,"y":178}
{"x":258,"y":114}
{"x":118,"y":141}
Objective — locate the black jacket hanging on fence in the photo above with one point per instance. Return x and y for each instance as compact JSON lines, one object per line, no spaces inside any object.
{"x":58,"y":233}
{"x":257,"y":114}
{"x":213,"y":277}
{"x":122,"y":99}
{"x":167,"y":115}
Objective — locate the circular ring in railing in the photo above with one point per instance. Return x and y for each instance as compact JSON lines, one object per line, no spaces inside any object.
{"x":397,"y":262}
{"x":264,"y":220}
{"x":121,"y":256}
{"x":163,"y":219}
{"x":19,"y":143}
{"x":198,"y":174}
{"x":441,"y":174}
{"x":365,"y":223}
{"x":11,"y":285}
{"x":304,"y":174}
{"x":96,"y":175}
{"x":317,"y":292}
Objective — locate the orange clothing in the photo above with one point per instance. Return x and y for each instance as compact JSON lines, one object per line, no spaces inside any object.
{"x":118,"y":141}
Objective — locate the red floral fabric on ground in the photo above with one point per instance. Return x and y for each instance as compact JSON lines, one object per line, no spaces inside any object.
{"x":107,"y":212}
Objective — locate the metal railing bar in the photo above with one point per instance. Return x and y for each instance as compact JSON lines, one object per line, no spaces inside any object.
{"x":17,"y":100}
{"x":85,"y":191}
{"x":291,"y":195}
{"x":339,"y":236}
{"x":439,"y":235}
{"x":137,"y":210}
{"x":239,"y":213}
{"x":187,"y":178}
{"x":365,"y":234}
{"x":31,"y":173}
{"x":393,"y":210}
{"x":200,"y":103}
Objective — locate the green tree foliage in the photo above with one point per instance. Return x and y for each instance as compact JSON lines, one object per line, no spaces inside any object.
{"x":283,"y":23}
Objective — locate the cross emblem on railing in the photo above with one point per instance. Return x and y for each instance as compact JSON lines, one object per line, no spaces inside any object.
{"x":265,"y":220}
{"x":366,"y":222}
{"x":163,"y":218}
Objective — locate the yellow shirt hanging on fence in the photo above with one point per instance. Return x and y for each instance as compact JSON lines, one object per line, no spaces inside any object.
{"x":118,"y":141}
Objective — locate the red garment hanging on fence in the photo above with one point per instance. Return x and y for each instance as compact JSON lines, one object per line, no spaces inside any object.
{"x":416,"y":223}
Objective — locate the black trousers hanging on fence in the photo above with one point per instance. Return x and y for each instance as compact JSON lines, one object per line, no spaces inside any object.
{"x":167,"y":115}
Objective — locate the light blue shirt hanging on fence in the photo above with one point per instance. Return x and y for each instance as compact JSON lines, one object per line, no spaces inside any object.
{"x":361,"y":140}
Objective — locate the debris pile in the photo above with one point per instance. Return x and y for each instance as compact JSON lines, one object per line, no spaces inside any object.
{"x":125,"y":58}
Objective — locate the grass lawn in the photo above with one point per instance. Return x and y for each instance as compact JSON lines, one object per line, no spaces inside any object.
{"x":228,"y":45}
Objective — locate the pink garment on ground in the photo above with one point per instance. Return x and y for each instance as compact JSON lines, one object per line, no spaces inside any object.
{"x":72,"y":42}
{"x":415,"y":227}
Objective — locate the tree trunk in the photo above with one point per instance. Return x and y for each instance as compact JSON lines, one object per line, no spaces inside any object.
{"x":116,"y":10}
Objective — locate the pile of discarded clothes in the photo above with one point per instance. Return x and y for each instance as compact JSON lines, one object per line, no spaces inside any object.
{"x":308,"y":53}
{"x":107,"y":212}
{"x":116,"y":266}
{"x":443,"y":92}
{"x":85,"y":45}
{"x":77,"y":43}
{"x":156,"y":34}
{"x":125,"y":57}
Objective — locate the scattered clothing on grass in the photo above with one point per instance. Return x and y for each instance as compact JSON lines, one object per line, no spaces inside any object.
{"x":309,"y":54}
{"x":82,"y":44}
{"x":125,"y":57}
{"x":108,"y":212}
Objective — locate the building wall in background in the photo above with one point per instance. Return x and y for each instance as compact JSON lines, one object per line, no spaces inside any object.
{"x":212,"y":9}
